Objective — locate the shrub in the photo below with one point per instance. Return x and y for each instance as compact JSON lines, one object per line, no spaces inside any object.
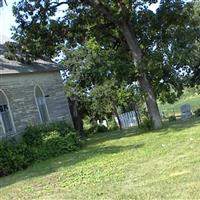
{"x":146,"y":124}
{"x":37,"y":143}
{"x":197,"y":112}
{"x":101,"y":129}
{"x":32,"y":135}
{"x":91,"y":130}
{"x":172,"y":118}
{"x":55,"y":145}
{"x":97,"y":129}
{"x":51,"y":140}
{"x":113,"y":125}
{"x":14,"y":156}
{"x":35,"y":135}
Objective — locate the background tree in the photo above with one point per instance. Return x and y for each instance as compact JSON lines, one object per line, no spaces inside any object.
{"x":194,"y":76}
{"x":92,"y":78}
{"x":129,"y":25}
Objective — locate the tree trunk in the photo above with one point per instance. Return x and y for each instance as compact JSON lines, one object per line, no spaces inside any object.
{"x":76,"y":117}
{"x":117,"y":115}
{"x":127,"y":30}
{"x":151,"y":103}
{"x":80,"y":127}
{"x":137,"y":115}
{"x":152,"y":106}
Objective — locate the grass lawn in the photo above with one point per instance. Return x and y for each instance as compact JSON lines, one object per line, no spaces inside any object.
{"x":162,"y":164}
{"x":169,"y":109}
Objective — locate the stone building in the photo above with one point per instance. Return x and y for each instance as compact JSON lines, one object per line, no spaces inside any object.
{"x":30,"y":94}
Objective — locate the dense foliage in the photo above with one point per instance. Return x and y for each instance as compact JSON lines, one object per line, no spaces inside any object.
{"x":37,"y":143}
{"x":155,"y":45}
{"x":95,"y":79}
{"x":172,"y":118}
{"x":197,"y":112}
{"x":14,"y":156}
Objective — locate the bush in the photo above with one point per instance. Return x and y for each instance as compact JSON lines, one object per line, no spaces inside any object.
{"x":97,"y":129}
{"x":91,"y":130}
{"x":54,"y":145}
{"x":101,"y":129}
{"x":113,"y":125}
{"x":14,"y":156}
{"x":172,"y":118}
{"x":51,"y":140}
{"x":146,"y":124}
{"x":35,"y":135}
{"x":37,"y":143}
{"x":197,"y":112}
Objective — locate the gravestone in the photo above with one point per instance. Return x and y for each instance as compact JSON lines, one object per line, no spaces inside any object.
{"x":186,"y":112}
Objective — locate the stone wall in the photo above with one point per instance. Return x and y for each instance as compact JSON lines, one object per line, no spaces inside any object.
{"x":19,"y":89}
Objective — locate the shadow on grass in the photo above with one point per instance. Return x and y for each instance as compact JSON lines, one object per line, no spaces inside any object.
{"x":179,"y":125}
{"x":91,"y":151}
{"x":168,"y":127}
{"x":113,"y":135}
{"x":52,"y":165}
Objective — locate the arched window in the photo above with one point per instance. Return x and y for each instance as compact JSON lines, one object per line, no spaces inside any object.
{"x":6,"y":123}
{"x":41,"y":104}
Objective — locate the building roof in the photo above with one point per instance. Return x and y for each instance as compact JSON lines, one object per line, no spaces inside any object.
{"x":15,"y":67}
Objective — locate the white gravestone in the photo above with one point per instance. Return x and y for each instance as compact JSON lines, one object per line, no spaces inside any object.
{"x":186,"y":112}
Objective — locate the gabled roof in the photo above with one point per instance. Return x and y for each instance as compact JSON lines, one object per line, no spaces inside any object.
{"x":15,"y":67}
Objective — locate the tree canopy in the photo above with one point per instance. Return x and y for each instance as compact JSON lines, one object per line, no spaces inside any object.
{"x":155,"y":44}
{"x":92,"y":79}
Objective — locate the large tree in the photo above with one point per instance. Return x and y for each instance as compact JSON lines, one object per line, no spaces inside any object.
{"x":194,"y":76}
{"x":125,"y":23}
{"x":92,"y":79}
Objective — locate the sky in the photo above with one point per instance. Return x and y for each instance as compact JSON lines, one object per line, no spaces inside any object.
{"x":7,"y":20}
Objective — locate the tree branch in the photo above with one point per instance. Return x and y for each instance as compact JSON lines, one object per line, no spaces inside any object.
{"x":123,"y":6}
{"x":102,"y":8}
{"x":58,"y":4}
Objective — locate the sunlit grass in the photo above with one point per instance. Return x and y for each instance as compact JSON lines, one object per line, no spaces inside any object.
{"x":161,"y":164}
{"x":170,"y":109}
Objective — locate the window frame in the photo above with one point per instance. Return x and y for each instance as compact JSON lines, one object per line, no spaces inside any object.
{"x":9,"y":112}
{"x":45,"y":104}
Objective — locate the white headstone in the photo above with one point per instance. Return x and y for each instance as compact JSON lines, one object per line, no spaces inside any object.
{"x":186,"y":112}
{"x":104,"y":123}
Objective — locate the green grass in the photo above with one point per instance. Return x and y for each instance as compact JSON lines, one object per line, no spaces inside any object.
{"x":169,"y":109}
{"x":162,"y":164}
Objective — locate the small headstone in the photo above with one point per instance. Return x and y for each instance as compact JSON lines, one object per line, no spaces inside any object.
{"x":102,"y":123}
{"x":186,"y":112}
